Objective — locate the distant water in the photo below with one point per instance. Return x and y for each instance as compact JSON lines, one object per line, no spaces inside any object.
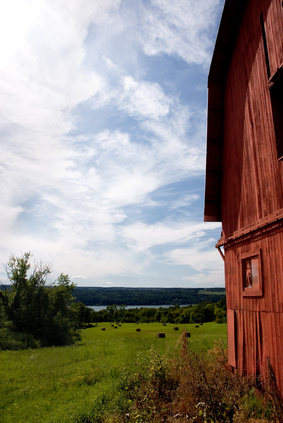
{"x":98,"y":308}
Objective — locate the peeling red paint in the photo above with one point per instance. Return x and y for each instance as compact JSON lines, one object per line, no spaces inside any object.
{"x":244,"y":178}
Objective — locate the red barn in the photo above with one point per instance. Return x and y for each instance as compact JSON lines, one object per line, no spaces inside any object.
{"x":244,"y":178}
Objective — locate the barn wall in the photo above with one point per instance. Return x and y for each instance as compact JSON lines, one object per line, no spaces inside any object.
{"x":261,"y":339}
{"x":270,"y":245}
{"x":255,"y":323}
{"x":250,"y":161}
{"x":252,"y":193}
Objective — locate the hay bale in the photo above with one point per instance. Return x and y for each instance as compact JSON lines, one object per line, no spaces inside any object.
{"x":161,"y":335}
{"x":138,"y":329}
{"x":188,"y":335}
{"x":103,"y":329}
{"x":115,"y":327}
{"x":175,"y":328}
{"x":196,"y":326}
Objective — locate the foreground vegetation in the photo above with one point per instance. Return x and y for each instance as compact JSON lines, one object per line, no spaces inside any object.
{"x":128,"y":374}
{"x":82,"y":383}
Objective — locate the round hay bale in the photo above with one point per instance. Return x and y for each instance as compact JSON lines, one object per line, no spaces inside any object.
{"x":103,"y":329}
{"x":188,"y":335}
{"x":115,"y":327}
{"x":175,"y":328}
{"x":161,"y":335}
{"x":201,"y":324}
{"x":138,"y":329}
{"x":196,"y":326}
{"x":164,"y":324}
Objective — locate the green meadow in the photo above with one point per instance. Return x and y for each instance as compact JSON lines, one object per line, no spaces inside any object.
{"x":81,"y":383}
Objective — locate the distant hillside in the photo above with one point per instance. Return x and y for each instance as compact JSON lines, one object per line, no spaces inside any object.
{"x":146,"y":296}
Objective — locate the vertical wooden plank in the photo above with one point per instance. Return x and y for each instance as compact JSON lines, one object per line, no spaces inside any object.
{"x":231,"y":324}
{"x":240,"y":342}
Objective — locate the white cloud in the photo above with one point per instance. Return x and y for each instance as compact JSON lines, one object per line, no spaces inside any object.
{"x":144,"y":99}
{"x":180,"y":27}
{"x":209,"y":279}
{"x":44,"y":69}
{"x":185,"y":201}
{"x":198,"y":259}
{"x":79,"y":277}
{"x":205,"y":261}
{"x":178,"y":145}
{"x":144,"y":237}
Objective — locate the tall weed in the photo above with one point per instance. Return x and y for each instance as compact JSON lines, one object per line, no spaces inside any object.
{"x":193,"y":387}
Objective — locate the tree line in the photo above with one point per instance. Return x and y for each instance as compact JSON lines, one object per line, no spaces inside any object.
{"x":96,"y":296}
{"x":198,"y":313}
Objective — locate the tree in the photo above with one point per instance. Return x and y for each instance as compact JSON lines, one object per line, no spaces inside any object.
{"x":83,"y":314}
{"x":28,"y":301}
{"x":220,"y":311}
{"x":41,"y":311}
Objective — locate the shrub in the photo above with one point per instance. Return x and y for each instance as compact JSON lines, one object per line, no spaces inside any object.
{"x":194,"y":388}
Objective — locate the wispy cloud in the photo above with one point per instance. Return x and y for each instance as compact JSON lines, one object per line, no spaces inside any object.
{"x":94,"y":124}
{"x":144,"y":236}
{"x":180,"y":28}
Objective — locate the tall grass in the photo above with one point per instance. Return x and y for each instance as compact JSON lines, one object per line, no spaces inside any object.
{"x":82,"y":383}
{"x":194,"y":388}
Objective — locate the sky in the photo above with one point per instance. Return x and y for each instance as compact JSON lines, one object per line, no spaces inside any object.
{"x":103,"y":140}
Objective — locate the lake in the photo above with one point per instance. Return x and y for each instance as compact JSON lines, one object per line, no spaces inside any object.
{"x":98,"y":308}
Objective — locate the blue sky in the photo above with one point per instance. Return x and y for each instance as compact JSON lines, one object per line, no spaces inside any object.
{"x":103,"y":139}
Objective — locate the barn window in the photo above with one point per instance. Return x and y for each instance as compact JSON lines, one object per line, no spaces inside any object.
{"x":251,"y":274}
{"x":275,"y":83}
{"x":265,"y":45}
{"x":276,"y":95}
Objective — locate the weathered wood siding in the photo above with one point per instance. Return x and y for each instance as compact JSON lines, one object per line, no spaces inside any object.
{"x":252,"y":176}
{"x":257,"y":330}
{"x":262,"y":337}
{"x":252,"y":193}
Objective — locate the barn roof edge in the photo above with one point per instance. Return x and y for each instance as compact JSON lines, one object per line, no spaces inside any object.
{"x":227,"y":34}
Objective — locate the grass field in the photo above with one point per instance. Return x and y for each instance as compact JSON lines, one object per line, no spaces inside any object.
{"x":70,"y":384}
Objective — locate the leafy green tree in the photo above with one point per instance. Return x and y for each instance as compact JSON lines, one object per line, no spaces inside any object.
{"x":220,"y":311}
{"x":145,"y":315}
{"x":83,"y":314}
{"x":42,"y":312}
{"x":185,"y":316}
{"x":112,"y":311}
{"x":203,"y":312}
{"x":28,"y":301}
